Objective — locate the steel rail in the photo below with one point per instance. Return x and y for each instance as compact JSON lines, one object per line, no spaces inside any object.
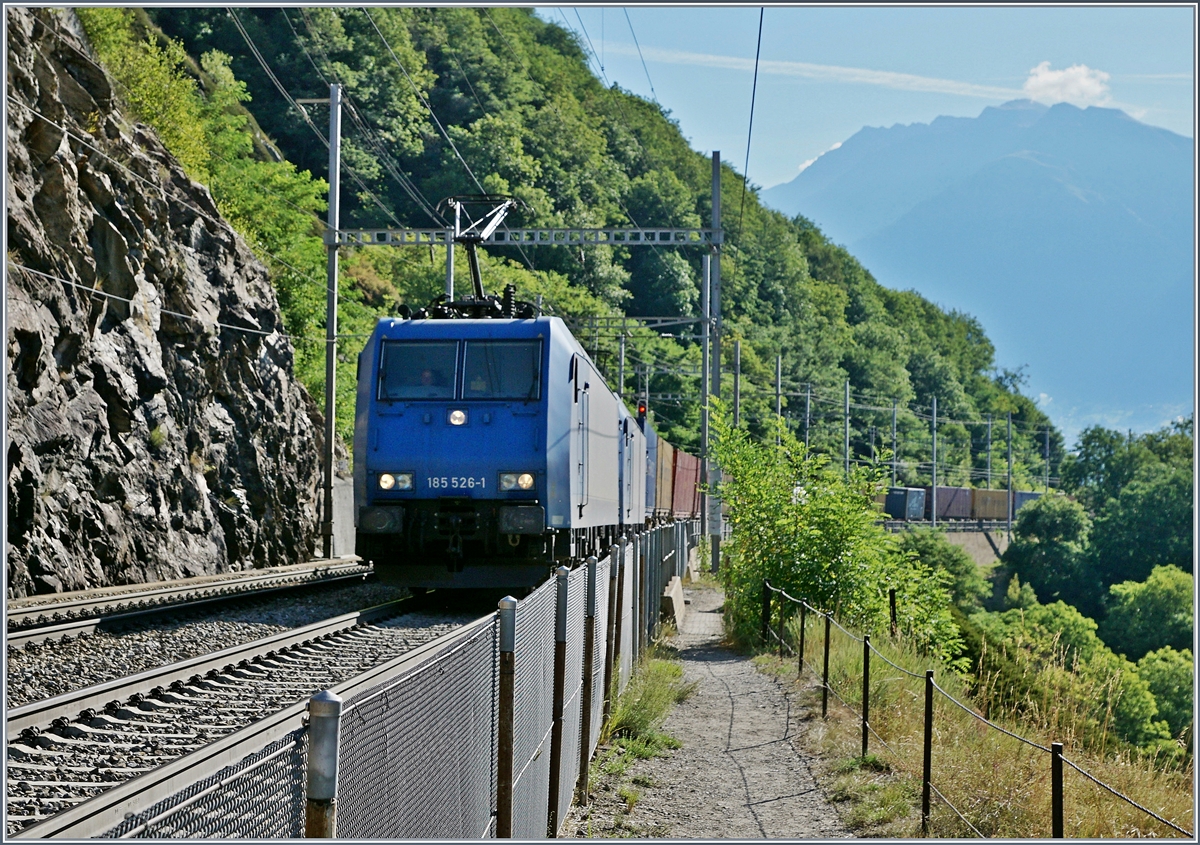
{"x":101,"y":813}
{"x":40,"y":714}
{"x":81,"y":627}
{"x":23,"y":613}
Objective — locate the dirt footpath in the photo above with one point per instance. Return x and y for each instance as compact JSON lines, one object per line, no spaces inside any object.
{"x":738,"y":775}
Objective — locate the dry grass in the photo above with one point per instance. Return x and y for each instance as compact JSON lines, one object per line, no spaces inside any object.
{"x":999,"y":784}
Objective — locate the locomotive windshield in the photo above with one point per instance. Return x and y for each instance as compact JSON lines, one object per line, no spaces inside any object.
{"x":418,"y":370}
{"x":502,"y":369}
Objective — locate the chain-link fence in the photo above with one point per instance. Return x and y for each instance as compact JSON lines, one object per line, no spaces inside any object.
{"x":418,"y":753}
{"x":259,"y":797}
{"x":533,"y":711}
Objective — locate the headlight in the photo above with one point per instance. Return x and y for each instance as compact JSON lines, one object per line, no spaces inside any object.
{"x":396,"y":481}
{"x":516,"y":481}
{"x":458,"y":418}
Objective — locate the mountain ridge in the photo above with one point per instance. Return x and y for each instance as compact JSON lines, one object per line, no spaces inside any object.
{"x":1068,"y":231}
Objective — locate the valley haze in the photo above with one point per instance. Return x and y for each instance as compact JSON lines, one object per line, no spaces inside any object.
{"x":1068,"y":232}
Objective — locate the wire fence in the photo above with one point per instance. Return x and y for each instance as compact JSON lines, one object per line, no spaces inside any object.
{"x":777,"y":636}
{"x":486,"y":732}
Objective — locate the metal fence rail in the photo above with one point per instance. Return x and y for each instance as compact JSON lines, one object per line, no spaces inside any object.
{"x":259,"y":797}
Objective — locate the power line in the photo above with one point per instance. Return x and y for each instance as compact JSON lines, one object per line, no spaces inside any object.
{"x":639,"y":49}
{"x":750,"y":130}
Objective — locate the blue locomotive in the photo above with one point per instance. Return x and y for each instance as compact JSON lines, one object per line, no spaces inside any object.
{"x":487,"y":451}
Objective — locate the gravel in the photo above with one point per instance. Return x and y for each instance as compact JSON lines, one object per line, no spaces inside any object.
{"x":49,"y":669}
{"x":740,"y":772}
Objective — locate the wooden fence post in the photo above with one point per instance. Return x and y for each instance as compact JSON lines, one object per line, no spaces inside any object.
{"x":825,"y":674}
{"x":1056,"y":790}
{"x":800,"y":658}
{"x":586,"y":693}
{"x":892,"y":609}
{"x":560,"y":682}
{"x":866,"y":690}
{"x":927,"y":764}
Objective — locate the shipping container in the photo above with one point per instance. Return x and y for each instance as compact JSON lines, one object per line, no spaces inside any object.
{"x":989,"y":504}
{"x":905,"y":503}
{"x":952,"y":502}
{"x":686,"y":483}
{"x":664,"y":488}
{"x":1022,"y":498}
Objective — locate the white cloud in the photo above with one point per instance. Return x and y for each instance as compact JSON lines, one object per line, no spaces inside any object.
{"x":1078,"y":85}
{"x":809,"y":163}
{"x":830,"y":73}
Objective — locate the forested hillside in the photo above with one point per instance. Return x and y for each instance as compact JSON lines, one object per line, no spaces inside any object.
{"x":453,"y":101}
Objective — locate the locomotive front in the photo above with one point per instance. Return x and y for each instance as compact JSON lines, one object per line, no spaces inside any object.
{"x":450,"y":452}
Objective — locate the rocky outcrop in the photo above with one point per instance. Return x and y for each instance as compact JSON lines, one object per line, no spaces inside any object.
{"x":154,"y":426}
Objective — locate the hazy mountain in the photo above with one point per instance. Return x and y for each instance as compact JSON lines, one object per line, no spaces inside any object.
{"x":1069,"y":232}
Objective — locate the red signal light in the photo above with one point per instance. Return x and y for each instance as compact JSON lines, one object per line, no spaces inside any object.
{"x":642,"y":410}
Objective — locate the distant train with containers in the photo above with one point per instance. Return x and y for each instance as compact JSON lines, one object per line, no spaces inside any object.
{"x":488,"y":451}
{"x":953,"y":503}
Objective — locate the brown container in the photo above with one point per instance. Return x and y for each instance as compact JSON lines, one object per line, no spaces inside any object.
{"x":687,"y":477}
{"x":989,"y":504}
{"x":664,"y":490}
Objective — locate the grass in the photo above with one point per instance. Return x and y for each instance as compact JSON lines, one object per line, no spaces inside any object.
{"x":634,"y":733}
{"x":1001,"y":785}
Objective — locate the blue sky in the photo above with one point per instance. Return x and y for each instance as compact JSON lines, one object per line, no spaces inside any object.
{"x":827,"y":72}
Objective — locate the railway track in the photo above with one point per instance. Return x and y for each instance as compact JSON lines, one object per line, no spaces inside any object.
{"x":64,"y":750}
{"x":37,"y":620}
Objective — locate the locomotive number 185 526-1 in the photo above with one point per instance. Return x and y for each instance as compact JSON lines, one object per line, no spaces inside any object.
{"x":454,"y":482}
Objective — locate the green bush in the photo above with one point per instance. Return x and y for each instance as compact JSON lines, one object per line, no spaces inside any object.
{"x":1148,"y":615}
{"x":968,"y":587}
{"x":1171,"y":676}
{"x":797,"y":523}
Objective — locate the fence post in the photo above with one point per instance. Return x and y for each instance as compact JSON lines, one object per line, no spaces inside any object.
{"x":825,"y":674}
{"x":585,"y":706}
{"x":504,"y":720}
{"x":781,"y":614}
{"x":803,"y":621}
{"x":766,"y":611}
{"x":892,"y":609}
{"x":618,"y":624}
{"x":927,"y":764}
{"x":560,"y":682}
{"x":866,"y":694}
{"x":324,"y":725}
{"x":1056,"y":790}
{"x":614,"y":557}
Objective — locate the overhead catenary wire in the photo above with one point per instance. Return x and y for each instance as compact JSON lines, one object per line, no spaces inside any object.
{"x":304,"y":114}
{"x":381,"y":152}
{"x":639,"y":51}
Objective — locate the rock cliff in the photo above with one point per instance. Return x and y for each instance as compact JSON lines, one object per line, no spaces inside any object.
{"x":154,"y":426}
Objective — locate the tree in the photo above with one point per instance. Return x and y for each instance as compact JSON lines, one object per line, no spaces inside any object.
{"x":1148,"y":524}
{"x":1171,"y":676}
{"x":1050,"y":536}
{"x":1103,"y":462}
{"x":1143,"y":616}
{"x":967,"y":587}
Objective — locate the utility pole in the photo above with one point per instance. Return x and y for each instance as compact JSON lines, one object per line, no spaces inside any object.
{"x":989,"y":453}
{"x":450,"y":253}
{"x":1046,"y":450}
{"x":1010,"y":490}
{"x":621,"y":368}
{"x":778,"y":390}
{"x":807,"y":410}
{"x":705,"y":312}
{"x":715,"y":304}
{"x":737,"y":383}
{"x":846,"y":430}
{"x":331,"y":304}
{"x":933,"y":489}
{"x":893,"y":442}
